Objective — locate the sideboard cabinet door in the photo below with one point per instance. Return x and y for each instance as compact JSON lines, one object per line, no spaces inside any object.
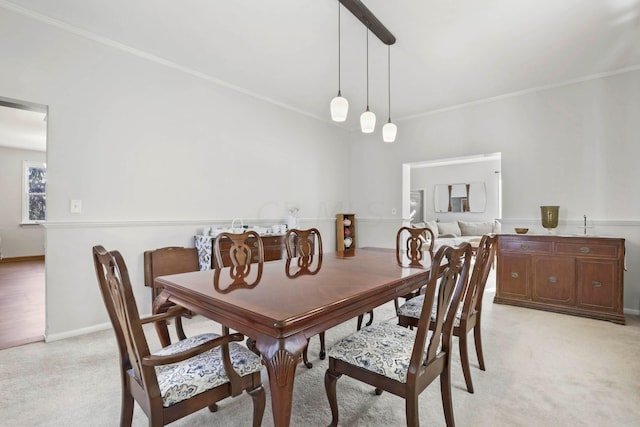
{"x":513,"y":276}
{"x":596,"y":285}
{"x":554,"y":280}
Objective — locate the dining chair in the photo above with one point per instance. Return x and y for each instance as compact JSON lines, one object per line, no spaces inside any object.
{"x":178,"y":379}
{"x":240,"y":251}
{"x":469,"y":315}
{"x":304,"y":244}
{"x":412,"y":246}
{"x":161,"y":262}
{"x":403,"y":361}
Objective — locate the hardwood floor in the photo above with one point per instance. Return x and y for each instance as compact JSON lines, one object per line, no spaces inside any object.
{"x":22,"y":302}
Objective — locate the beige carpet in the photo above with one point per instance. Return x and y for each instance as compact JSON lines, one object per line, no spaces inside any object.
{"x":542,"y":369}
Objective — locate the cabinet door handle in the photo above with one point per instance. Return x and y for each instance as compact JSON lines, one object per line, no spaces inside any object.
{"x":514,"y":275}
{"x":585,"y":250}
{"x":524,"y":246}
{"x":553,"y":279}
{"x":596,"y":284}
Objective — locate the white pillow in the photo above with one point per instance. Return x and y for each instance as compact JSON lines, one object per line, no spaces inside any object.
{"x":475,"y":228}
{"x":433,"y":225}
{"x":497,"y":227}
{"x":449,"y":228}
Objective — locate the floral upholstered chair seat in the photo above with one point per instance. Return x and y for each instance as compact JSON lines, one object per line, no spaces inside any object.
{"x":182,"y":380}
{"x":413,"y":308}
{"x":383,"y":348}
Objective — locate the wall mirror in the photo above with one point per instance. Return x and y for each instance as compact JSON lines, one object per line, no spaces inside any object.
{"x":461,"y":197}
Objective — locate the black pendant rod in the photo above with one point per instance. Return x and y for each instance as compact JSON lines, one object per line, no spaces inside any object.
{"x":370,"y":21}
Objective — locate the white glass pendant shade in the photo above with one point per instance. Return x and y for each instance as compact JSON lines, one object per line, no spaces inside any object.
{"x":339,"y":108}
{"x":389,"y":132}
{"x":367,"y":121}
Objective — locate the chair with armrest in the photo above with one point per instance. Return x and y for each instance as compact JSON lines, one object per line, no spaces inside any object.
{"x":403,"y":361}
{"x":181,"y":378}
{"x":162,"y":262}
{"x":468,"y":317}
{"x":304,"y":244}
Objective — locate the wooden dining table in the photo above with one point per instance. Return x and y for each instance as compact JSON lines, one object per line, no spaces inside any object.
{"x":292,"y":301}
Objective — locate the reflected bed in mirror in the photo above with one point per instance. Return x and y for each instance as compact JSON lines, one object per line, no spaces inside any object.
{"x":460,"y":197}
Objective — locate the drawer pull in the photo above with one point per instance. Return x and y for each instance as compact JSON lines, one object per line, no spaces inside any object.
{"x":524,"y":246}
{"x":553,"y":279}
{"x":585,"y":250}
{"x":255,"y":244}
{"x":596,"y":284}
{"x":514,"y":275}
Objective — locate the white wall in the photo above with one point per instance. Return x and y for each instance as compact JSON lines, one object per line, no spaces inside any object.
{"x":155,"y":154}
{"x":17,"y":240}
{"x":575,"y":146}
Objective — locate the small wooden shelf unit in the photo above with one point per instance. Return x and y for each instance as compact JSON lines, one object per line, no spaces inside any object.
{"x":345,"y":232}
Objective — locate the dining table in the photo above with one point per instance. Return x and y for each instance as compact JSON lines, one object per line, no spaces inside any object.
{"x":280,"y":304}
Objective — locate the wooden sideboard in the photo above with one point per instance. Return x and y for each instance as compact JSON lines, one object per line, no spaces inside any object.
{"x":583,"y":276}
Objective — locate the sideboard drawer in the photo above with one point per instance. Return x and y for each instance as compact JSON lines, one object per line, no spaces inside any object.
{"x":587,"y":249}
{"x":525,"y":246}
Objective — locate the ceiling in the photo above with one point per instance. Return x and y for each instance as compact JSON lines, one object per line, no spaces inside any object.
{"x":448,"y":53}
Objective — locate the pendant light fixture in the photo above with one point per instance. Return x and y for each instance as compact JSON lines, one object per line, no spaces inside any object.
{"x":339,"y":104}
{"x":389,"y":130}
{"x":367,"y":119}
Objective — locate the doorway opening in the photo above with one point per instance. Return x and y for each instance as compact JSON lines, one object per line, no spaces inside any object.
{"x":428,"y":178}
{"x":23,"y":152}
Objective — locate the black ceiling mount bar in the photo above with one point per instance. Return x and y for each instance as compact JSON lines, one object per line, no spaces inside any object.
{"x":370,"y":21}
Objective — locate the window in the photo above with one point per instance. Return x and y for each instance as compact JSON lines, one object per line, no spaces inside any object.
{"x":34,"y":197}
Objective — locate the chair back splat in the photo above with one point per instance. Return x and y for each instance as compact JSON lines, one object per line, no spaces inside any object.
{"x":411,"y":245}
{"x":246,"y":248}
{"x":303,"y":243}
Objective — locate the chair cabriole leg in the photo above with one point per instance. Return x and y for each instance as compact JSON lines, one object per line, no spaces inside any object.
{"x":478,"y":341}
{"x":258,"y":396}
{"x":464,"y":361}
{"x":323,"y":352}
{"x":445,"y":391}
{"x":411,"y":409}
{"x":330,"y":381}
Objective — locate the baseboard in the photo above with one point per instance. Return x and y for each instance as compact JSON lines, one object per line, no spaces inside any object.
{"x":23,"y":258}
{"x":77,"y":332}
{"x":19,"y":342}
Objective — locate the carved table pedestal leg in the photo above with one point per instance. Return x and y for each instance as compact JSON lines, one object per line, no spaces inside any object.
{"x":281,"y":356}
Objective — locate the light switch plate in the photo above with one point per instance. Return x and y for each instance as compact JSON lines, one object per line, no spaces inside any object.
{"x":75,"y":206}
